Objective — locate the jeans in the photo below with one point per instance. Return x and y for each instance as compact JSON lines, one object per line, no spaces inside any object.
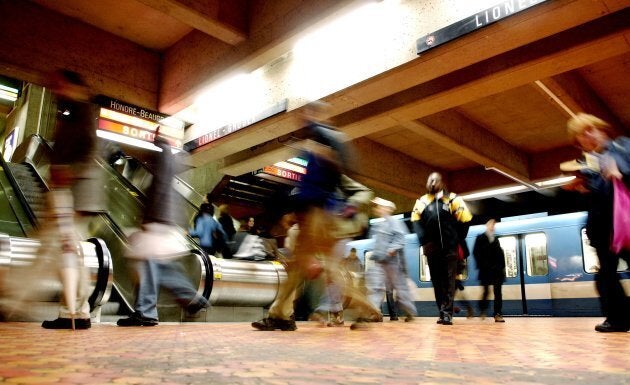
{"x":151,"y":276}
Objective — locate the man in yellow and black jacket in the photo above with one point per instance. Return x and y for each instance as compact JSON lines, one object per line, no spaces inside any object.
{"x":440,"y":220}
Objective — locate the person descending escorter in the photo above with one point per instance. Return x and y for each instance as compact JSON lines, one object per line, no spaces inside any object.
{"x":155,"y":248}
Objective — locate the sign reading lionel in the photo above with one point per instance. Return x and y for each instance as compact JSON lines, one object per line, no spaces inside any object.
{"x":479,"y":20}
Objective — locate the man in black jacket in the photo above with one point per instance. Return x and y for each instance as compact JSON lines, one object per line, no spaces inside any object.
{"x":440,"y":220}
{"x":490,"y":261}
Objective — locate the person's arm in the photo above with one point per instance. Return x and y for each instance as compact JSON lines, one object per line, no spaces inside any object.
{"x":397,"y":241}
{"x":195,"y":231}
{"x":415,"y":220}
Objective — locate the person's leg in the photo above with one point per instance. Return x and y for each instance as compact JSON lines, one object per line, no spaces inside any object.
{"x":399,"y":282}
{"x":173,"y":279}
{"x":498,"y":300}
{"x":147,"y":289}
{"x":375,"y":284}
{"x":449,"y":286}
{"x":613,"y":299}
{"x":437,"y":271}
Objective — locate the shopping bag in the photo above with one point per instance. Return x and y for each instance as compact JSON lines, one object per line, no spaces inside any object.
{"x":621,"y":217}
{"x":157,"y":241}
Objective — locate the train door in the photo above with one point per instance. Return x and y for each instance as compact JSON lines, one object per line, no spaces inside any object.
{"x":526,"y":290}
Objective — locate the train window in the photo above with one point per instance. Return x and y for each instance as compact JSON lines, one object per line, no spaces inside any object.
{"x":536,"y":252}
{"x":424,"y":275}
{"x":591,"y":262}
{"x":508,"y":244}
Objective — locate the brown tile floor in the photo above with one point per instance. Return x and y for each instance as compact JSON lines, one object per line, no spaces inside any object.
{"x":521,"y":351}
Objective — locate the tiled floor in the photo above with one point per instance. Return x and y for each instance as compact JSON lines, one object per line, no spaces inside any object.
{"x":521,"y":351}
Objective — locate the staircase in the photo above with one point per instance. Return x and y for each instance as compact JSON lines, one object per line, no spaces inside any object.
{"x":31,"y":186}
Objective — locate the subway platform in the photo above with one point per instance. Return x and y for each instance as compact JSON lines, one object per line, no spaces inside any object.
{"x":472,"y":351}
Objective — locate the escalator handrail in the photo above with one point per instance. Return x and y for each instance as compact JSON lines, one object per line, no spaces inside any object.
{"x":19,"y":194}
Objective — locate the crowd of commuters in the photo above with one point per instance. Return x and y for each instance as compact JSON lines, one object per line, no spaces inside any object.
{"x":327,"y":210}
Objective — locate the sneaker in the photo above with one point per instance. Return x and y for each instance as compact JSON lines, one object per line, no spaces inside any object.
{"x":447,"y":320}
{"x":269,"y":324}
{"x":66,"y":323}
{"x":409,"y":318}
{"x":607,"y":327}
{"x":469,"y":312}
{"x":136,"y":320}
{"x":393,"y":318}
{"x":498,"y":318}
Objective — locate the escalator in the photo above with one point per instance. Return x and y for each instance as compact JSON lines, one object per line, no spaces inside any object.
{"x":225,"y":283}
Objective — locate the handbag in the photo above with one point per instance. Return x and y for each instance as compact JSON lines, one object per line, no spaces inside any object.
{"x":621,"y":217}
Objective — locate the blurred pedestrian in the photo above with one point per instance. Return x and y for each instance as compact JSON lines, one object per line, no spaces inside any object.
{"x":440,"y":220}
{"x":490,"y":260}
{"x":329,"y":207}
{"x":75,"y":188}
{"x":227,"y":222}
{"x":388,"y":252}
{"x":605,"y":177}
{"x":156,"y":247}
{"x":211,"y":236}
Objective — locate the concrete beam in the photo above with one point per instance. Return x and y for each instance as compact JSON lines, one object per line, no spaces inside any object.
{"x":572,"y":94}
{"x":36,"y":41}
{"x":603,"y":38}
{"x":204,"y":16}
{"x":464,"y":137}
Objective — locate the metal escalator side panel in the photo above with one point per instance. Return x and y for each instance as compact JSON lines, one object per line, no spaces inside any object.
{"x":246,"y":283}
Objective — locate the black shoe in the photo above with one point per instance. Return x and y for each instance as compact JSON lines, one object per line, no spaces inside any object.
{"x":135,"y":320}
{"x":66,"y":323}
{"x":268,"y":324}
{"x":440,"y":321}
{"x":393,"y":318}
{"x":361,"y":324}
{"x":607,"y":327}
{"x":447,"y":320}
{"x":196,"y":306}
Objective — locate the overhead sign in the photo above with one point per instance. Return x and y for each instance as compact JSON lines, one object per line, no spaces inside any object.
{"x":138,"y":123}
{"x":479,"y":20}
{"x":233,"y":127}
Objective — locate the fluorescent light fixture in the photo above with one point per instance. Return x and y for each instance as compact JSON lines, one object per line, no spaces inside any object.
{"x":131,"y":141}
{"x":377,"y":220}
{"x":555,"y":181}
{"x":291,"y":166}
{"x":8,"y":95}
{"x":516,"y":189}
{"x":494,"y":192}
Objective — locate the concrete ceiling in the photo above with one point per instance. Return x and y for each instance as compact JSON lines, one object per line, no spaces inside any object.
{"x":486,"y":109}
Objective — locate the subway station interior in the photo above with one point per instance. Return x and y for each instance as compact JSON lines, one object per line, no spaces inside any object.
{"x":479,"y":91}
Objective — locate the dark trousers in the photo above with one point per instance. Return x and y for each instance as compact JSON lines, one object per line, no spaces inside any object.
{"x":443,"y":268}
{"x":613,"y":300}
{"x":497,"y":284}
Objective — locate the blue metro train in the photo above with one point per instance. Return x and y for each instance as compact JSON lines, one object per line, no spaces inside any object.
{"x":550,"y":268}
